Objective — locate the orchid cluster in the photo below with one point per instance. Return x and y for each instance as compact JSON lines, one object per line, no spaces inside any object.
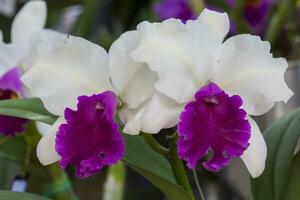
{"x":183,"y":74}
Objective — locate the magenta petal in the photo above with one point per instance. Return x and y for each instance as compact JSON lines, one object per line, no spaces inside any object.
{"x":11,"y":80}
{"x":178,"y":9}
{"x":90,"y":138}
{"x":11,"y":126}
{"x":10,"y":87}
{"x":213,"y":122}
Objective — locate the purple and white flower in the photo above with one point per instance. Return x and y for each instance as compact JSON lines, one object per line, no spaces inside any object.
{"x":162,"y":69}
{"x":70,"y":75}
{"x":15,"y":57}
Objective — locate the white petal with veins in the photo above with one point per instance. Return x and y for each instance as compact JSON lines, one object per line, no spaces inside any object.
{"x":244,"y":66}
{"x":65,"y":67}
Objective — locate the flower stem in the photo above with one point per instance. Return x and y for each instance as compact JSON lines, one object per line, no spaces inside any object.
{"x":198,"y":185}
{"x":155,"y":145}
{"x":178,"y":168}
{"x":115,"y":182}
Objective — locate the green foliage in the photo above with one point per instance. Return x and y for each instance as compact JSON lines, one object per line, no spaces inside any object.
{"x":281,"y":138}
{"x":32,"y":109}
{"x":154,"y":167}
{"x":292,"y":192}
{"x":13,"y":148}
{"x":20,"y":196}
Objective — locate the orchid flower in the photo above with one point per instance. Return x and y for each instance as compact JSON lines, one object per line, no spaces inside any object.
{"x":172,"y":73}
{"x":70,"y":75}
{"x":16,"y":54}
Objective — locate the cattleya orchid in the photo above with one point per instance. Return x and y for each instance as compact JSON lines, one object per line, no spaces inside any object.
{"x":71,"y":77}
{"x":15,"y":57}
{"x":172,"y":73}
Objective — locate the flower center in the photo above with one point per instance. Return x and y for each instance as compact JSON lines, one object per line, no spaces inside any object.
{"x":90,"y":138}
{"x":213,"y":122}
{"x":8,"y":94}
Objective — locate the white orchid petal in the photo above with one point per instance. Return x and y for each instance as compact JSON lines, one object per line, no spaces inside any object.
{"x":10,"y":56}
{"x":43,"y":128}
{"x":245,"y":67}
{"x":30,"y":19}
{"x":46,"y":152}
{"x":133,"y":80}
{"x":162,"y":112}
{"x":255,"y":156}
{"x":132,"y":118}
{"x":64,"y":68}
{"x":218,"y":21}
{"x":181,"y":54}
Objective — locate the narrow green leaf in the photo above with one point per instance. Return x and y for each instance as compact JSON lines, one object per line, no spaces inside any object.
{"x":154,"y":167}
{"x":281,"y":138}
{"x":291,"y":191}
{"x":32,"y":109}
{"x":19,"y":196}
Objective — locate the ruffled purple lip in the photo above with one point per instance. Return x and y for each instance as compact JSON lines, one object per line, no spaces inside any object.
{"x":10,"y":88}
{"x":90,"y":139}
{"x":213,"y":122}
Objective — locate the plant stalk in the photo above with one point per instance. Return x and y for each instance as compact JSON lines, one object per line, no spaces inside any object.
{"x":115,"y":182}
{"x":155,"y":145}
{"x":178,"y":168}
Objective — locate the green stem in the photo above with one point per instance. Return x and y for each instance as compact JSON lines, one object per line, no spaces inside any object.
{"x":115,"y":182}
{"x":60,"y":188}
{"x":155,"y":145}
{"x":87,"y":18}
{"x":178,"y":168}
{"x":278,"y":20}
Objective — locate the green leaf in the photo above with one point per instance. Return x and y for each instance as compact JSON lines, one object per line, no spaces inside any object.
{"x":154,"y":167}
{"x":13,"y":148}
{"x":19,"y":196}
{"x":32,"y":109}
{"x":281,"y":138}
{"x":292,"y":192}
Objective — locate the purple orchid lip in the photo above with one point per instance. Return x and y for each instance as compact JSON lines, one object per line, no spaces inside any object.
{"x":11,"y":81}
{"x":10,"y":88}
{"x":178,"y":9}
{"x":213,"y":122}
{"x":90,"y":139}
